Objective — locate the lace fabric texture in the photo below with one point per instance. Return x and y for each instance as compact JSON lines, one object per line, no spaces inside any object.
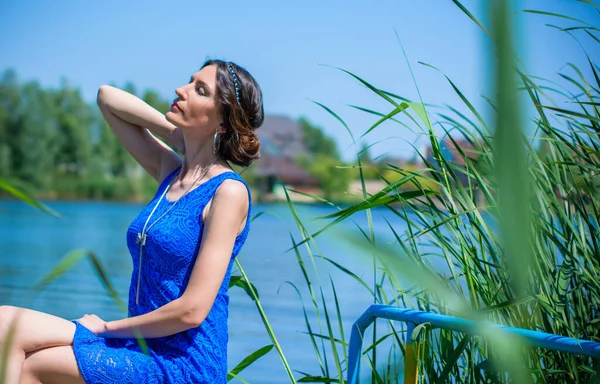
{"x":198,"y":355}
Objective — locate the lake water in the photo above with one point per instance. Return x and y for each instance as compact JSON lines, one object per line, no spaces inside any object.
{"x":31,"y":243}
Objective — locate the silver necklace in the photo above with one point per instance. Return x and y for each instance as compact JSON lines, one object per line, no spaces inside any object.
{"x":141,"y":236}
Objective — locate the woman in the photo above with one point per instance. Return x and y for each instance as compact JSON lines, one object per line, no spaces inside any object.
{"x":182,"y":245}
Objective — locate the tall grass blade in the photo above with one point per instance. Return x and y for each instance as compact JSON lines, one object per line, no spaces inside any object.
{"x":238,"y":281}
{"x":266,"y":323}
{"x":8,"y":340}
{"x":248,"y":360}
{"x":24,"y":197}
{"x":511,"y":163}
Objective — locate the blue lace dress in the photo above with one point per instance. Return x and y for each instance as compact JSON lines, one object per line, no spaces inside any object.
{"x":198,"y":355}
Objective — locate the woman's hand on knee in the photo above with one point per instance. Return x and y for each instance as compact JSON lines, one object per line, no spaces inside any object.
{"x":95,"y":324}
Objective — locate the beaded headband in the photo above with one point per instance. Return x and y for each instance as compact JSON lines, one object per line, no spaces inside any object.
{"x":235,"y":82}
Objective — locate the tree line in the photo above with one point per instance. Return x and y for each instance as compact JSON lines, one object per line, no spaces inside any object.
{"x":56,"y":145}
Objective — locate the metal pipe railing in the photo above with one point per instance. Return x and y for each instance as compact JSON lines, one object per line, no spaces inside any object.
{"x":412,"y":317}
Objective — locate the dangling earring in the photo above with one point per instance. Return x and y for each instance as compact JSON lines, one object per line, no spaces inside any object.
{"x":215,"y":145}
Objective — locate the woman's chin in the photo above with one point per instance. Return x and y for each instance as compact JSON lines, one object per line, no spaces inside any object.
{"x":171,"y":117}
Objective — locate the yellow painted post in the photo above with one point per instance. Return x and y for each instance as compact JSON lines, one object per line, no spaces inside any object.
{"x":411,"y":369}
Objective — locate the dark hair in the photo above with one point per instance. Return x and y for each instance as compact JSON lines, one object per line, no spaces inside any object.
{"x":238,"y":144}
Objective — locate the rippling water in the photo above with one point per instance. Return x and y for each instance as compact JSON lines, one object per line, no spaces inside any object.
{"x":31,"y":243}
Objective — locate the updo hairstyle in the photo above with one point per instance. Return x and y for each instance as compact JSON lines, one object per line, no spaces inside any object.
{"x":239,"y":143}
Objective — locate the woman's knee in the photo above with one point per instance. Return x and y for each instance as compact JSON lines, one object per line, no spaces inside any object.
{"x":6,"y":311}
{"x":33,"y":330}
{"x":8,"y":320}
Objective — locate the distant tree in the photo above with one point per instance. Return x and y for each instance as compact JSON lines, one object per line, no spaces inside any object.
{"x":115,"y":157}
{"x":74,"y":121}
{"x":332,"y":179}
{"x":9,"y":102}
{"x":37,"y":142}
{"x":28,"y":131}
{"x":364,"y":155}
{"x":129,"y":87}
{"x":59,"y":145}
{"x":316,"y":141}
{"x":323,"y":160}
{"x":370,"y":169}
{"x":153,"y":99}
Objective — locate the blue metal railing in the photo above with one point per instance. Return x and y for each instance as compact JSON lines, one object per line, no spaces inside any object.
{"x":413,"y":318}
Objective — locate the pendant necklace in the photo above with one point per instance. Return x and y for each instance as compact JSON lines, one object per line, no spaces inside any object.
{"x":141,"y":236}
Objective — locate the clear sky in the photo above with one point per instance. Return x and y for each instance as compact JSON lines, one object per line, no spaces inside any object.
{"x":159,"y":44}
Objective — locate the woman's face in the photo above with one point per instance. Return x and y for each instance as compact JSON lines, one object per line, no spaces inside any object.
{"x":196,"y":107}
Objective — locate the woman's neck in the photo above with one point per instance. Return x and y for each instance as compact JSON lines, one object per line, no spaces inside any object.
{"x":198,"y":157}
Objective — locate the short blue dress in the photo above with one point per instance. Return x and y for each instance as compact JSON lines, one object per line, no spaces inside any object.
{"x":198,"y":355}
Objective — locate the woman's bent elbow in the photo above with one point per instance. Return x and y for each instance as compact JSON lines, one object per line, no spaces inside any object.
{"x":102,"y":96}
{"x":193,"y":317}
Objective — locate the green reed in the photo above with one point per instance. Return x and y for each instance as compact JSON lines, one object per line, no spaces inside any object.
{"x":516,"y":225}
{"x":529,"y":258}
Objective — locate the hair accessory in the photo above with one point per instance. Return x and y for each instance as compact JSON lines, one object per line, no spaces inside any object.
{"x":235,"y":82}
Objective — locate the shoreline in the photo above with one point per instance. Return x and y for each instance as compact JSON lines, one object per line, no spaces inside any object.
{"x":142,"y":201}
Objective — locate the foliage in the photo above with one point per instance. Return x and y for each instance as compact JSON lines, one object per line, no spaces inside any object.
{"x":455,"y":215}
{"x":316,"y":141}
{"x":393,"y":174}
{"x":323,"y":161}
{"x":53,"y":142}
{"x":364,"y":155}
{"x":333,"y":179}
{"x":506,"y":232}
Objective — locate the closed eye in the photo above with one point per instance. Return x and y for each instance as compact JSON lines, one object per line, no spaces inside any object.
{"x":201,"y":89}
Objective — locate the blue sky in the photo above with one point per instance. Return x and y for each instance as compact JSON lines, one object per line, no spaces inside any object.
{"x":291,"y":48}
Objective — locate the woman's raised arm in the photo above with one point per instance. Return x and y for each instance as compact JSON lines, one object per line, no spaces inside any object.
{"x":135,"y":123}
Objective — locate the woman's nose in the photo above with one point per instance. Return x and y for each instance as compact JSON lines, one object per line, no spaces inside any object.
{"x":180,"y":92}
